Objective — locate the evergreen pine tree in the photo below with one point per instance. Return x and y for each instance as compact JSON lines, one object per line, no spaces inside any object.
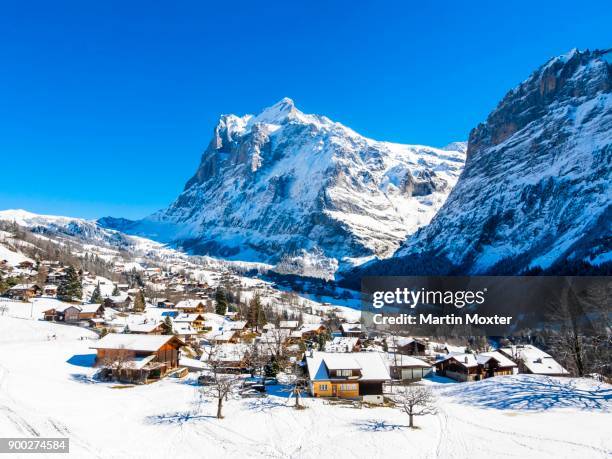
{"x":321,"y":341}
{"x":96,"y":296}
{"x":70,"y":287}
{"x":116,"y":291}
{"x":255,"y":316}
{"x":139,"y":302}
{"x":221,"y":300}
{"x":169,"y":330}
{"x":3,"y":285}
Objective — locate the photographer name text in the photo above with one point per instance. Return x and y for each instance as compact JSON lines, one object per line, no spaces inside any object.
{"x":449,"y":319}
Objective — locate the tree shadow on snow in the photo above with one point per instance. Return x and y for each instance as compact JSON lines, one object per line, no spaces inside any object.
{"x":81,"y":378}
{"x":178,"y":418}
{"x":82,"y":360}
{"x":373,"y":425}
{"x":532,"y":393}
{"x":263,"y":405}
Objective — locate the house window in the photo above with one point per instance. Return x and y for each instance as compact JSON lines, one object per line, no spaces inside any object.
{"x":322,"y":387}
{"x":347,"y":387}
{"x":346,"y":373}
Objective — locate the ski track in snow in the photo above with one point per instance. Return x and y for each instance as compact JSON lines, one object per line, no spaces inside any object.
{"x":171,"y":419}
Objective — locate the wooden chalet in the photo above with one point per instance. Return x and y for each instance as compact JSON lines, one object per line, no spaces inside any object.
{"x":137,"y":358}
{"x":309,"y":331}
{"x":50,"y":290}
{"x":351,"y":329}
{"x":91,"y":311}
{"x":23,"y":291}
{"x":411,"y":346}
{"x":460,"y":367}
{"x":191,"y":306}
{"x":196,"y":321}
{"x":63,"y":312}
{"x":471,"y":367}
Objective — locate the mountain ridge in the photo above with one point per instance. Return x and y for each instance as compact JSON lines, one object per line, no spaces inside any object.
{"x":283,"y":181}
{"x":535,"y":191}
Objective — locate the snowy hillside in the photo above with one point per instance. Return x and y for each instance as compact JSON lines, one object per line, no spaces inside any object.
{"x":537,"y":186}
{"x":283,"y":181}
{"x":84,"y":230}
{"x":509,"y":416}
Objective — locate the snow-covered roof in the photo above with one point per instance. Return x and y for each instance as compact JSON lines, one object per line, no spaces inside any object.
{"x":189,"y":318}
{"x":341,"y":344}
{"x":148,"y":343}
{"x":454,"y":349}
{"x":225,"y":336}
{"x":501,"y":359}
{"x":23,"y":286}
{"x":288,"y":324}
{"x":143,"y":328}
{"x":274,"y":335}
{"x":184,"y":329}
{"x":401,"y":360}
{"x":90,"y":308}
{"x":536,"y":360}
{"x":237,"y":325}
{"x":372,"y":365}
{"x":226,"y":352}
{"x":118,"y":298}
{"x":466,"y":360}
{"x":189,"y":304}
{"x":310,"y":327}
{"x":61,"y":307}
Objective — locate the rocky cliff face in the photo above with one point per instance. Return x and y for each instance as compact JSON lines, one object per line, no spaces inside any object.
{"x":536,"y":188}
{"x":284,"y":182}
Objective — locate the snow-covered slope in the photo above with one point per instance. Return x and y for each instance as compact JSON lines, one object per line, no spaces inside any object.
{"x":536,"y":190}
{"x":283,"y":181}
{"x":521,"y":416}
{"x":86,"y":230}
{"x":13,"y":258}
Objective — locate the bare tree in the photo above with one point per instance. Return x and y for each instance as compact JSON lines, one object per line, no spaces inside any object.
{"x":257,"y":358}
{"x":275,"y":343}
{"x":297,"y":385}
{"x":221,"y":385}
{"x":117,"y":362}
{"x":416,"y":401}
{"x":581,"y":334}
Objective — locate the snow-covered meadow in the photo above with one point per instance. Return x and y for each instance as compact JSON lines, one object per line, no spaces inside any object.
{"x":46,"y":389}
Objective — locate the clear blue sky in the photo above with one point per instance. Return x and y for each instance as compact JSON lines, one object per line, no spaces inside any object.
{"x":105,"y":107}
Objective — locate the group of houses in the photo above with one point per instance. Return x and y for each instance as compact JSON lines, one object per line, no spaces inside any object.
{"x":180,"y":331}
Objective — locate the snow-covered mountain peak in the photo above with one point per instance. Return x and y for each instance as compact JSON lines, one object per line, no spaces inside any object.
{"x":278,"y":113}
{"x":283,"y":181}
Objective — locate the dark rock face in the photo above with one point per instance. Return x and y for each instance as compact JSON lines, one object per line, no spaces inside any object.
{"x":536,"y":189}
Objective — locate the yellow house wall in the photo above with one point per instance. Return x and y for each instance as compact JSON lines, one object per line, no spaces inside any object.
{"x":319,"y":392}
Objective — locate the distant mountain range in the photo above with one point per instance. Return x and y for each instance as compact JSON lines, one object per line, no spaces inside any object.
{"x":536,"y":192}
{"x":530,"y":192}
{"x":284,"y":185}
